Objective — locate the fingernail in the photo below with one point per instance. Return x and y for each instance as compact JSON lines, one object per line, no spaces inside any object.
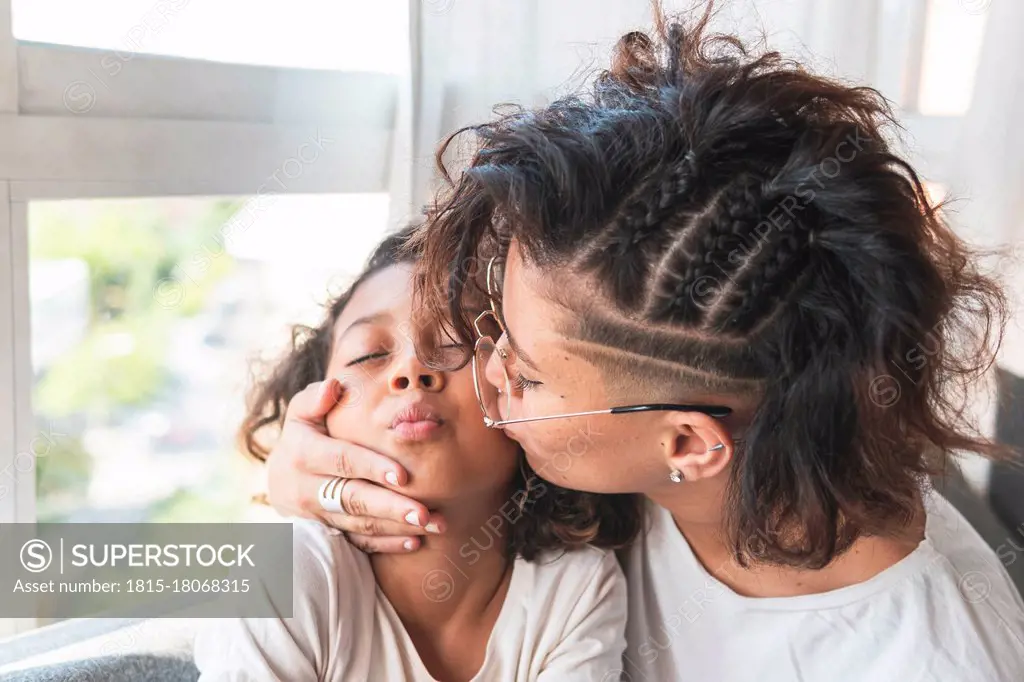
{"x":392,"y":478}
{"x":432,"y":527}
{"x":409,"y":545}
{"x":414,"y":518}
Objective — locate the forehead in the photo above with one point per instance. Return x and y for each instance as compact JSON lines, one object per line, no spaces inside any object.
{"x":387,"y":291}
{"x":521,"y":282}
{"x":538,"y":324}
{"x":531,"y":314}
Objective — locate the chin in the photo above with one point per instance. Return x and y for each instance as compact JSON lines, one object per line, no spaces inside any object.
{"x":428,"y":495}
{"x":436,"y":492}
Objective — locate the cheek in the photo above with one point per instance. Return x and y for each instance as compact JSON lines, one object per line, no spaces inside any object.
{"x":600,"y":454}
{"x":341,"y":420}
{"x":542,"y":440}
{"x":563,"y":455}
{"x":353,"y":416}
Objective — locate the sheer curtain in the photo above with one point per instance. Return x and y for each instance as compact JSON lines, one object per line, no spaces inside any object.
{"x":468,"y":56}
{"x":989,"y":170}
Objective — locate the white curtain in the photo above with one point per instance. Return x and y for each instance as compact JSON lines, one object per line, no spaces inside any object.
{"x":468,"y":56}
{"x":988,"y":172}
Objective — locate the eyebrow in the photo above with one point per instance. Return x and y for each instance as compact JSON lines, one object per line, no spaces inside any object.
{"x":376,"y":318}
{"x":520,"y":353}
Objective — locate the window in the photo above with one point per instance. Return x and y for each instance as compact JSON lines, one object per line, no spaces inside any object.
{"x":954,"y":31}
{"x":118,"y":385}
{"x":319,"y":34}
{"x":146,"y":315}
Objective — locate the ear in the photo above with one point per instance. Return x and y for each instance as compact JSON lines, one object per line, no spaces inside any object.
{"x":697,"y":445}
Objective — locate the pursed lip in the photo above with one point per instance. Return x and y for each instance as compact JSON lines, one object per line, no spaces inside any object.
{"x":416,"y":421}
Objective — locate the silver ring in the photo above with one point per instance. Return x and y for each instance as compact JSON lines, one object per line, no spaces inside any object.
{"x":329,"y":495}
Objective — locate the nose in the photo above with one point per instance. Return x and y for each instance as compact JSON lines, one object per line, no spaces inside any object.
{"x":411,"y":374}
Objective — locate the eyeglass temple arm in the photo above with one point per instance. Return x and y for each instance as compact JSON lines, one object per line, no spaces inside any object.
{"x":717,"y":411}
{"x":502,"y":422}
{"x":710,"y":410}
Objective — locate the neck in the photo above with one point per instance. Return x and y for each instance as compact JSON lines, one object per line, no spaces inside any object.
{"x":459,"y":575}
{"x":698,"y":515}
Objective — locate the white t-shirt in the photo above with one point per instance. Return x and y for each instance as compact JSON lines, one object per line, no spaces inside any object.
{"x":945,"y":613}
{"x":563,"y":619}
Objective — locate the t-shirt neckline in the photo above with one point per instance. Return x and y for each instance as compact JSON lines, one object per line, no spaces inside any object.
{"x":664,"y":530}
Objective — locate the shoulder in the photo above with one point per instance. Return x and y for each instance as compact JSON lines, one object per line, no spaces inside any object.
{"x":334,"y":590}
{"x":575,"y":612}
{"x":326,"y":564}
{"x":568,"y":578}
{"x":325,"y":627}
{"x":561,"y":564}
{"x":974,"y":607}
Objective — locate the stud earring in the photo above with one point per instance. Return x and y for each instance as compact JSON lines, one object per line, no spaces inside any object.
{"x":676,"y":476}
{"x":716,"y":448}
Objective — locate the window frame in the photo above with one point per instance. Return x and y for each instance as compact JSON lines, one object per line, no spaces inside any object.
{"x":252,"y":130}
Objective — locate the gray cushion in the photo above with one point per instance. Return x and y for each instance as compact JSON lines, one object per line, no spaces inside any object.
{"x":1006,"y":489}
{"x":127,"y":668}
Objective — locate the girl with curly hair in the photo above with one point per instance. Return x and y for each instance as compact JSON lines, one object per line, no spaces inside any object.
{"x":515,"y":589}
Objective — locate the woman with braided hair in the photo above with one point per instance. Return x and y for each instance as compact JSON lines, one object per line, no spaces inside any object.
{"x":718,"y":285}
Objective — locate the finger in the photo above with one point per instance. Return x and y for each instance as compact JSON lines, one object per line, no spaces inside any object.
{"x":359,"y":498}
{"x":367,"y":525}
{"x":328,"y":456}
{"x":375,"y":545}
{"x":312,"y":403}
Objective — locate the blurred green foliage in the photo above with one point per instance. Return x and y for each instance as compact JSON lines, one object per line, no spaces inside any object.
{"x":187,"y":506}
{"x":223,"y":498}
{"x":119,"y":363}
{"x":62,"y":478}
{"x":129,"y":247}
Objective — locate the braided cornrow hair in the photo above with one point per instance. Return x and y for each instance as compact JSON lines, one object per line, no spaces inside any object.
{"x":706,"y":207}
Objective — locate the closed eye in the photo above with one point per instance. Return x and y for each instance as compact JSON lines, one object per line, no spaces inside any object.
{"x":368,"y":357}
{"x":452,"y":356}
{"x":521,"y":383}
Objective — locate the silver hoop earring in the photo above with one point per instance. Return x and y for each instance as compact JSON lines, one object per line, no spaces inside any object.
{"x":676,"y":476}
